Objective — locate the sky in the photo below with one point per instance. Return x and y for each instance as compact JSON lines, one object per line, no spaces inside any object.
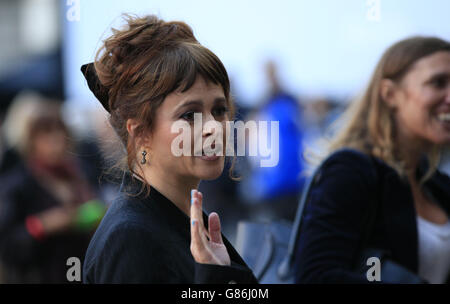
{"x":322,"y":47}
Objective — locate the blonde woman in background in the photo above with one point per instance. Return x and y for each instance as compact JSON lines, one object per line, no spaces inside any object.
{"x":382,"y":168}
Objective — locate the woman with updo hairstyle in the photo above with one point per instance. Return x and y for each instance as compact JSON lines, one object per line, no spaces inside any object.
{"x":378,"y":194}
{"x":150,"y":76}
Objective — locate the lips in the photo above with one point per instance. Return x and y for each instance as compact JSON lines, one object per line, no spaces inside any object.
{"x":209,"y":157}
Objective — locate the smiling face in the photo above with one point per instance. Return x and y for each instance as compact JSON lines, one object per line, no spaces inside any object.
{"x":422,"y":100}
{"x":205,"y":98}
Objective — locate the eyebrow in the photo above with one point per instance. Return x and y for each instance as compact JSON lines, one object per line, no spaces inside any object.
{"x":438,"y":75}
{"x":199,"y":103}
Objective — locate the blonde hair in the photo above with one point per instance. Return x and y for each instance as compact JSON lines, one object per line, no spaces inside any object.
{"x":368,"y":124}
{"x":28,"y":108}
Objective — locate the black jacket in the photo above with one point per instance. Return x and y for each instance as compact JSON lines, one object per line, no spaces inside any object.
{"x":147,"y":240}
{"x":335,"y":218}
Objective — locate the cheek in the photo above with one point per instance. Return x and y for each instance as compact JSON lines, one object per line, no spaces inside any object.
{"x":162,"y":150}
{"x":414,"y":111}
{"x":164,"y":144}
{"x":225,"y":136}
{"x":416,"y":114}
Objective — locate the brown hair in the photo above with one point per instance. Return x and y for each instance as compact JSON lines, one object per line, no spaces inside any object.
{"x":143,"y":63}
{"x":368,"y":122}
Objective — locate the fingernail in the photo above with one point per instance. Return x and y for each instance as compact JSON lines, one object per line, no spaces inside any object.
{"x":193,"y":222}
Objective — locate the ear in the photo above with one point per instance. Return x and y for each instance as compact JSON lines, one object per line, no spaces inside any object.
{"x":388,"y":91}
{"x":141,"y":141}
{"x":131,"y":126}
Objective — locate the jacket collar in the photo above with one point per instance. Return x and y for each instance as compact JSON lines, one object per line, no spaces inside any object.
{"x":175,"y":216}
{"x":135,"y":188}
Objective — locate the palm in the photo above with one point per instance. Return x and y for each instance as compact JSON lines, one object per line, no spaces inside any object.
{"x":219,"y":253}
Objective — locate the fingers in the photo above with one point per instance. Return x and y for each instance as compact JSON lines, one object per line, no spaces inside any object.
{"x":200,"y":208}
{"x":214,"y":228}
{"x":196,"y":208}
{"x":211,"y":250}
{"x":199,"y":243}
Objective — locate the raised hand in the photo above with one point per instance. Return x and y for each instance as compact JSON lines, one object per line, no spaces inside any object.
{"x":207,"y":247}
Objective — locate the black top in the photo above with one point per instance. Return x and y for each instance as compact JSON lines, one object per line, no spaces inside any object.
{"x":335,"y":217}
{"x":147,"y":240}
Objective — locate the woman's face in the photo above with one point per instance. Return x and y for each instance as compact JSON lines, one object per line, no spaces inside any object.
{"x":205,"y":98}
{"x":423,"y":103}
{"x":50,"y":146}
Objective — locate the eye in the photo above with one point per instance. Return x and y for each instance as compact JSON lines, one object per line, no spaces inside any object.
{"x":220,"y":111}
{"x":188,"y":116}
{"x":439,"y":82}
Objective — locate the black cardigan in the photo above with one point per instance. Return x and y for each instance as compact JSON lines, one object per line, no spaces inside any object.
{"x":147,"y":240}
{"x":336,"y":213}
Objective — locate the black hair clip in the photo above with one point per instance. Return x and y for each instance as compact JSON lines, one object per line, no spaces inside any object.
{"x":96,"y":87}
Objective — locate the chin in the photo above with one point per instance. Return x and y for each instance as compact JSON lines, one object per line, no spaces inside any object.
{"x":440,"y":134}
{"x":209,"y":171}
{"x":209,"y":177}
{"x":210,"y":174}
{"x":442,"y":140}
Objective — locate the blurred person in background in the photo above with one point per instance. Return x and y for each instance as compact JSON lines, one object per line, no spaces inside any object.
{"x":319,"y":114}
{"x":47,"y":209}
{"x":379,"y":189}
{"x":272,"y":192}
{"x":14,"y":126}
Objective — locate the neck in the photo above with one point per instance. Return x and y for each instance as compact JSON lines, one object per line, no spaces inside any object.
{"x":410,"y":151}
{"x":175,"y":188}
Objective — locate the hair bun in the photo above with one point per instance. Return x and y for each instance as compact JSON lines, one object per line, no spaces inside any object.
{"x":121,"y":54}
{"x":145,"y":34}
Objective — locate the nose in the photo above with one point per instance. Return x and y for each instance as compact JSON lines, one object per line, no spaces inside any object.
{"x":208,"y":125}
{"x":207,"y":133}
